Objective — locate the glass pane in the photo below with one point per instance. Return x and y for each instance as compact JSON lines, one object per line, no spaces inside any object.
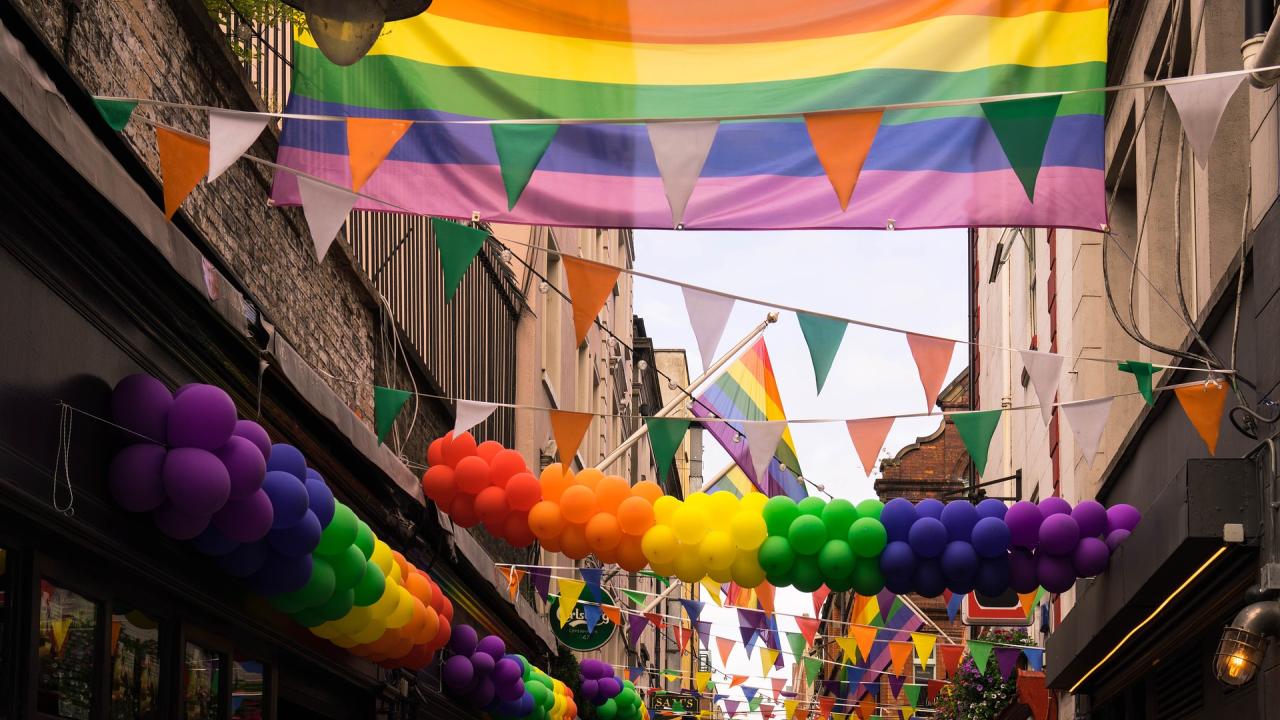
{"x":246,"y":690}
{"x":68,"y":632}
{"x":201,"y":684}
{"x":135,"y":665}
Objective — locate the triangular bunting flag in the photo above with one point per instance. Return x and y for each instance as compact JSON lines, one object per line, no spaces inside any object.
{"x":570,"y":591}
{"x":797,"y":643}
{"x":634,"y":673}
{"x":184,"y":161}
{"x":692,"y":608}
{"x":949,"y":658}
{"x":768,"y":657}
{"x":913,"y":694}
{"x":1087,"y":420}
{"x":116,"y":112}
{"x":1203,"y":403}
{"x":849,"y":647}
{"x":811,"y":667}
{"x":520,"y":148}
{"x":868,"y":438}
{"x":1031,"y":693}
{"x":665,"y":436}
{"x":682,"y":636}
{"x":681,"y":149}
{"x":1028,"y":600}
{"x":895,"y":684}
{"x":762,"y":437}
{"x":325,"y":208}
{"x":736,"y":680}
{"x":731,"y":706}
{"x":708,"y":314}
{"x":470,"y":413}
{"x":636,"y":597}
{"x":591,"y":613}
{"x":655,"y":620}
{"x":899,"y":652}
{"x":568,"y":428}
{"x":387,"y":403}
{"x":825,"y":705}
{"x":459,"y":244}
{"x":636,"y":624}
{"x":819,"y":597}
{"x":1142,"y":372}
{"x":808,"y":627}
{"x":871,"y":687}
{"x":867,"y":707}
{"x":541,"y":579}
{"x":823,"y":336}
{"x":1007,"y":660}
{"x":778,"y":684}
{"x":514,"y":576}
{"x":753,"y":700}
{"x":935,"y":687}
{"x":802,"y":713}
{"x":1045,"y":370}
{"x":976,"y":429}
{"x":866,"y":638}
{"x":671,"y":674}
{"x":981,"y":652}
{"x":1035,"y":658}
{"x":369,"y":142}
{"x":842,"y":141}
{"x":613,"y":613}
{"x":704,"y":632}
{"x":857,"y":616}
{"x":764,"y":594}
{"x":1200,"y":106}
{"x":933,"y":358}
{"x":923,"y":643}
{"x":906,"y":713}
{"x":713,"y":590}
{"x":789,"y":708}
{"x":231,"y":134}
{"x":703,"y":678}
{"x":1022,"y":127}
{"x":590,"y":285}
{"x":591,"y":576}
{"x":953,"y":606}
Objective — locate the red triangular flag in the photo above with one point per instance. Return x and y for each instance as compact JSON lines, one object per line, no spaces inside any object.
{"x":842,"y":140}
{"x":1032,"y":693}
{"x":933,"y":358}
{"x":819,"y":597}
{"x":184,"y":161}
{"x":825,"y":703}
{"x":808,"y":627}
{"x":655,"y":620}
{"x":682,"y":637}
{"x":867,"y":707}
{"x":369,"y":142}
{"x":725,"y":646}
{"x":568,"y":428}
{"x":949,"y":656}
{"x":590,"y":285}
{"x":935,"y":687}
{"x":736,"y":680}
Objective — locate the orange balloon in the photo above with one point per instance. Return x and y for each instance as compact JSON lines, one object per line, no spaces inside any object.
{"x":546,"y":520}
{"x":589,"y":477}
{"x":471,"y":474}
{"x":503,"y":465}
{"x":448,"y":608}
{"x":610,"y":491}
{"x":435,"y":451}
{"x":648,"y":490}
{"x":491,"y":505}
{"x":417,"y":618}
{"x":463,"y":510}
{"x":550,"y":544}
{"x":438,"y":484}
{"x":488,"y":449}
{"x":430,"y":627}
{"x":578,"y":503}
{"x":602,"y":532}
{"x":630,"y":557}
{"x":523,"y":491}
{"x":554,"y":480}
{"x":418,"y":585}
{"x":573,"y":542}
{"x":635,"y":516}
{"x":401,"y":647}
{"x":607,"y":557}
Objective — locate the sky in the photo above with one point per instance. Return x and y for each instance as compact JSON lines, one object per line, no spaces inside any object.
{"x":914,"y":280}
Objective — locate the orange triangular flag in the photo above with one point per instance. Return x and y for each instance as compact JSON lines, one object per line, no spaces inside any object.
{"x":589,"y":287}
{"x":866,"y":638}
{"x":764,"y":593}
{"x":933,"y":357}
{"x":725,"y":646}
{"x":899,"y":653}
{"x":736,"y":680}
{"x":513,"y":577}
{"x":868,"y":437}
{"x":1203,"y":403}
{"x":801,"y":714}
{"x":1026,"y":600}
{"x":808,"y":627}
{"x":369,"y":142}
{"x":825,"y":704}
{"x":655,"y":620}
{"x":859,"y":605}
{"x":568,"y":428}
{"x":867,"y":707}
{"x":613,"y":612}
{"x":949,"y":658}
{"x":842,"y":140}
{"x":184,"y":161}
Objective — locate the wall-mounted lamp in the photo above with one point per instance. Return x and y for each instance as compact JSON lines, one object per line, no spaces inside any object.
{"x":1244,"y":642}
{"x":345,"y":29}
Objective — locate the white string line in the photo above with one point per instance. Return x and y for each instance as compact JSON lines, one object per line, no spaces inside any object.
{"x":920,"y":105}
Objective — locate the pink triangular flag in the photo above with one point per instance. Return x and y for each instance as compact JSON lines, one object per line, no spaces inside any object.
{"x":820,"y":596}
{"x":1045,"y":370}
{"x":681,"y":150}
{"x":326,"y":208}
{"x":231,"y":134}
{"x":1200,"y":106}
{"x":762,"y":438}
{"x":933,"y":358}
{"x":470,"y":413}
{"x":1087,"y":420}
{"x":868,"y":438}
{"x":708,"y":314}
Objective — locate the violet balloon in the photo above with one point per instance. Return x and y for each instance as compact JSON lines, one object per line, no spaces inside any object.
{"x":959,"y":564}
{"x":141,"y":403}
{"x":928,"y":537}
{"x":1115,"y":538}
{"x":1091,"y":517}
{"x":507,"y":671}
{"x":991,"y":537}
{"x":588,"y":689}
{"x":463,"y":640}
{"x":493,"y":646}
{"x":281,"y":574}
{"x":1090,"y":557}
{"x":459,"y":675}
{"x":1022,"y":571}
{"x":992,"y":508}
{"x":483,"y":693}
{"x":959,"y":517}
{"x":609,"y":687}
{"x":245,"y":466}
{"x":213,"y":542}
{"x":1122,"y":517}
{"x":1058,"y":535}
{"x":287,"y":458}
{"x":897,"y":560}
{"x":254,"y":433}
{"x":202,"y":416}
{"x":178,"y":524}
{"x":482,"y":661}
{"x":1023,"y":519}
{"x":1055,"y":573}
{"x":135,"y":477}
{"x":195,"y":481}
{"x":509,"y":692}
{"x":1054,"y":505}
{"x":930,"y":508}
{"x":247,"y":519}
{"x":288,"y":498}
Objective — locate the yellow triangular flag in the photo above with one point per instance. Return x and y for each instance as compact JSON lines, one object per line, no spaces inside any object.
{"x":924,"y":643}
{"x":60,"y":629}
{"x":850,"y":648}
{"x":713,"y":590}
{"x":907,"y":711}
{"x":570,"y":591}
{"x":789,"y":708}
{"x":768,"y":656}
{"x":703,"y":678}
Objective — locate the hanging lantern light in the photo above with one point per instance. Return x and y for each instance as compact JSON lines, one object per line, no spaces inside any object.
{"x":346,"y":29}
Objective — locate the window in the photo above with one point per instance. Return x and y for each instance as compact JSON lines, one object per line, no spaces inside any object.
{"x":135,"y":664}
{"x":202,"y":683}
{"x":67,"y":653}
{"x":246,"y":690}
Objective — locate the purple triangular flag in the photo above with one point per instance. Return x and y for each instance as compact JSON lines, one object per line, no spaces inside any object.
{"x":884,"y":600}
{"x":636,"y":625}
{"x":731,"y":706}
{"x":1007,"y":659}
{"x":747,"y":624}
{"x":541,"y":579}
{"x":832,"y":687}
{"x":704,"y":631}
{"x":895,"y":684}
{"x":693,"y":608}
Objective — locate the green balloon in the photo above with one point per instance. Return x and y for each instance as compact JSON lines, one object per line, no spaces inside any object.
{"x":317,"y":591}
{"x":364,"y":539}
{"x":339,"y":604}
{"x":290,"y":603}
{"x":628,"y":685}
{"x":341,"y":531}
{"x":627,"y":699}
{"x":836,"y":559}
{"x":538,"y":692}
{"x":778,"y":514}
{"x":607,"y":710}
{"x":781,"y":578}
{"x":806,"y":575}
{"x":811,"y":506}
{"x":867,"y":537}
{"x":348,"y":567}
{"x":870,"y":508}
{"x":867,"y":579}
{"x":840,"y":584}
{"x":838,"y":515}
{"x":309,"y":617}
{"x":807,"y":535}
{"x":371,"y":586}
{"x":775,"y":555}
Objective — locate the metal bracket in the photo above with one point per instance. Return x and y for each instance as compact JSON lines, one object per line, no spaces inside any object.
{"x":974,"y":493}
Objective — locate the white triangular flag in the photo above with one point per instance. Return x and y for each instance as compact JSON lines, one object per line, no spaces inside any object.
{"x":1045,"y":370}
{"x":1200,"y":106}
{"x":681,"y":149}
{"x":708,"y":314}
{"x":762,"y":438}
{"x":470,"y":413}
{"x":1087,"y":420}
{"x":326,"y":208}
{"x":231,"y":134}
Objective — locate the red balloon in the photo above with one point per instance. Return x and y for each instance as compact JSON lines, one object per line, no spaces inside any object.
{"x":435,"y":451}
{"x":491,"y":506}
{"x":472,"y":474}
{"x":505,"y":464}
{"x":523,"y":490}
{"x":488,"y":449}
{"x":516,"y":529}
{"x":448,"y":609}
{"x":438,"y":483}
{"x":436,"y":600}
{"x":463,"y":511}
{"x":458,"y":448}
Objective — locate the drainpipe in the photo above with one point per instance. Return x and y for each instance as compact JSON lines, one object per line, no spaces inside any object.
{"x":1261,"y":47}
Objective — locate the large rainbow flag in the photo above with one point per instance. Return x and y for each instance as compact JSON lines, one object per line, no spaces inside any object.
{"x":688,"y":59}
{"x":747,"y":390}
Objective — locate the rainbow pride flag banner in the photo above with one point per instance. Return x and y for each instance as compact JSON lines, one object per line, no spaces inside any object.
{"x":1033,"y":162}
{"x":747,"y":390}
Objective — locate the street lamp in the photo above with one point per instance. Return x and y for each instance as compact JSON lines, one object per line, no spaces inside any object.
{"x":346,"y":29}
{"x":1244,"y":642}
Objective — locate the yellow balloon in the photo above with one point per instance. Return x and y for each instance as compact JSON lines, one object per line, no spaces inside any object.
{"x":745,"y":570}
{"x":344,"y":641}
{"x":689,"y":566}
{"x":664,"y":508}
{"x":557,"y":705}
{"x":396,"y":571}
{"x":370,"y":632}
{"x":698,"y":500}
{"x":724,"y":505}
{"x":663,"y":569}
{"x":690,"y":524}
{"x":357,"y":618}
{"x":659,"y":545}
{"x":748,"y":529}
{"x":382,"y":557}
{"x":754,"y":501}
{"x":720,"y":575}
{"x":404,"y":610}
{"x":388,"y":602}
{"x":326,"y":630}
{"x":717,"y":550}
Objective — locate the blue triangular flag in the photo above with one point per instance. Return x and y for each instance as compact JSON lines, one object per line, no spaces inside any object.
{"x":591,"y":612}
{"x":1035,"y":658}
{"x":693,"y":608}
{"x":591,"y":576}
{"x":953,"y":606}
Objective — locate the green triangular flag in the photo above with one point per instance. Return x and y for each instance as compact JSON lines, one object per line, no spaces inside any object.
{"x":458,"y":245}
{"x":981,"y":652}
{"x":116,"y":112}
{"x":638,"y":598}
{"x":754,"y":702}
{"x":1142,"y":372}
{"x":387,"y":403}
{"x":1022,"y":127}
{"x":520,"y":147}
{"x":665,"y":436}
{"x":677,"y":707}
{"x":913,"y":694}
{"x":662,"y":580}
{"x":823,"y":336}
{"x":671,"y":674}
{"x":797,"y":643}
{"x":811,"y":667}
{"x":976,"y":429}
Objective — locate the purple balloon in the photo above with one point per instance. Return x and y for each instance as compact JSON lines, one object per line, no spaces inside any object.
{"x":897,"y":560}
{"x":253,"y":432}
{"x":928,"y":537}
{"x":1091,"y":517}
{"x":959,"y":517}
{"x":1058,"y":535}
{"x":281,"y":574}
{"x":245,"y":466}
{"x":507,"y":671}
{"x":991,"y":537}
{"x":288,"y":498}
{"x":897,"y":517}
{"x":1054,"y":506}
{"x":1091,"y":557}
{"x":463,"y":640}
{"x":244,"y":560}
{"x":482,"y":662}
{"x":1022,"y":571}
{"x":202,"y":416}
{"x":493,"y":646}
{"x":928,"y":578}
{"x":1122,"y":517}
{"x":213,"y":543}
{"x":992,"y":578}
{"x":320,"y":497}
{"x":459,"y":674}
{"x":196,"y":481}
{"x":177,"y":524}
{"x":287,"y":458}
{"x":247,"y":519}
{"x":592,"y":668}
{"x":509,"y":692}
{"x":992,"y":508}
{"x":298,"y":539}
{"x":141,"y":403}
{"x":135,"y":477}
{"x":609,"y":687}
{"x":959,"y":564}
{"x":588,"y":689}
{"x":1023,"y":519}
{"x":483,"y":693}
{"x":1055,"y":573}
{"x":930,"y":508}
{"x":1115,"y":537}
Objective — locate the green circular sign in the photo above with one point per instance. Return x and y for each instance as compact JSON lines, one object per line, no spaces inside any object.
{"x":574,"y":634}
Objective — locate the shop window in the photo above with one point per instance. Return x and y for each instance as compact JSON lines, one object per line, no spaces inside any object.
{"x":247,"y":690}
{"x":202,"y":683}
{"x":135,"y":665}
{"x":67,"y":653}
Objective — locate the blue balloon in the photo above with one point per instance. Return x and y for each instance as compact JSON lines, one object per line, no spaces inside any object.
{"x":298,"y":539}
{"x":992,"y":508}
{"x":287,"y":458}
{"x":245,"y":560}
{"x":991,"y":537}
{"x":928,"y":537}
{"x":213,"y":543}
{"x":959,"y":517}
{"x":992,"y":578}
{"x":320,"y":498}
{"x":930,"y":507}
{"x":959,"y":565}
{"x":897,"y":517}
{"x":288,"y":497}
{"x":281,"y":574}
{"x":899,"y":584}
{"x":897,"y":559}
{"x":526,"y":704}
{"x":928,"y":579}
